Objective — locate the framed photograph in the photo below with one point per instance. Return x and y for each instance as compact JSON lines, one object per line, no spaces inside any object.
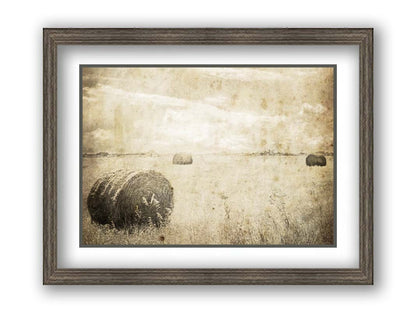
{"x":208,"y":156}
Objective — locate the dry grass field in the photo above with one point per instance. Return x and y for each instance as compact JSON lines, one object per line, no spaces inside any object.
{"x":226,"y":200}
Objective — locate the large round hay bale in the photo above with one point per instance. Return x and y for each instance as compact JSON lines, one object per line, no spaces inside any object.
{"x":131,"y":198}
{"x":182,"y":159}
{"x":315,"y":160}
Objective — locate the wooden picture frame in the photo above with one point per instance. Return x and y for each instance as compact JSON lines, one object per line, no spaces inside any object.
{"x":52,"y":38}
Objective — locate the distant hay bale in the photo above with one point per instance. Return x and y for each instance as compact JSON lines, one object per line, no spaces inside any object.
{"x":182,"y":159}
{"x":315,"y":160}
{"x":131,"y":198}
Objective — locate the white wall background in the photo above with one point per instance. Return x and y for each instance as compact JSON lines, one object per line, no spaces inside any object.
{"x":21,"y":152}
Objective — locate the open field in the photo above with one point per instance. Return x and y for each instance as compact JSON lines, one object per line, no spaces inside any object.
{"x":226,"y":200}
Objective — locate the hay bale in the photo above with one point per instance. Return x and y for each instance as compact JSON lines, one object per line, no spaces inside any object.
{"x":315,"y":160}
{"x":182,"y":159}
{"x":131,"y":198}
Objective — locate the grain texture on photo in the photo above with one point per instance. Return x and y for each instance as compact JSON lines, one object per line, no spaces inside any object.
{"x":193,"y":155}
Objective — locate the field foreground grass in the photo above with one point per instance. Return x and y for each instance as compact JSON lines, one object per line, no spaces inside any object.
{"x":226,"y":200}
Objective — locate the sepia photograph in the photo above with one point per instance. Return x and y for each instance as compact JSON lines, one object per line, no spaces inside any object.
{"x":208,"y":155}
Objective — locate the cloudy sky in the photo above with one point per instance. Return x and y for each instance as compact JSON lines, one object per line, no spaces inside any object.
{"x":207,"y":109}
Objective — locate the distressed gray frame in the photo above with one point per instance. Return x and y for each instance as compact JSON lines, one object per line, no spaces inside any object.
{"x":52,"y":37}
